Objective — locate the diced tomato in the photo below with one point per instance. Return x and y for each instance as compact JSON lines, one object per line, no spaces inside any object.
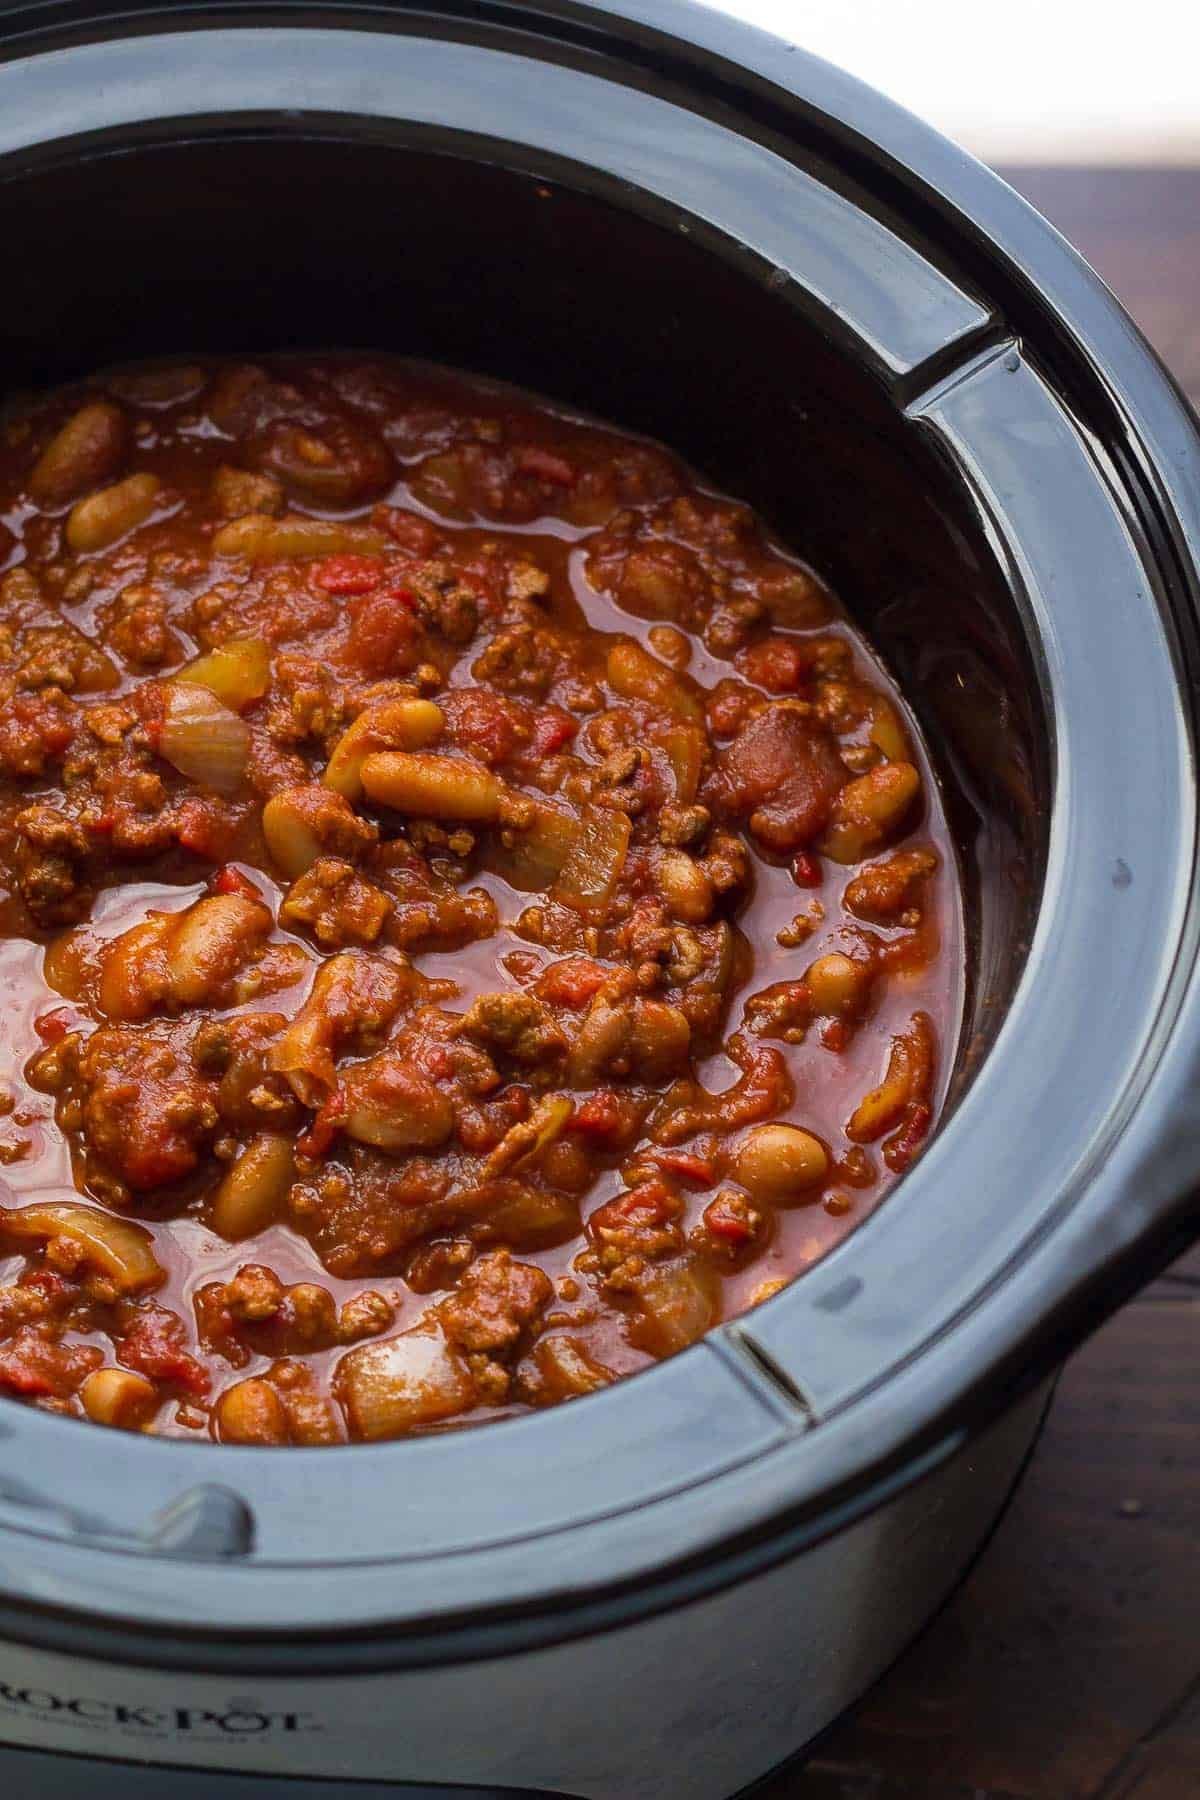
{"x":153,"y":1347}
{"x":479,"y":579}
{"x":52,"y":1286}
{"x":216,"y":1325}
{"x":731,"y":1218}
{"x":648,"y":783}
{"x":411,"y":531}
{"x":228,"y":879}
{"x":348,"y":574}
{"x":31,"y":1365}
{"x":571,"y":982}
{"x":600,"y":1115}
{"x":806,"y":869}
{"x":490,"y":726}
{"x":324,"y":1128}
{"x":437,"y":1062}
{"x":150,"y":700}
{"x":697,"y":1171}
{"x":552,"y":728}
{"x":729,"y":705}
{"x":152,"y":1163}
{"x":778,"y":664}
{"x":33,"y":731}
{"x":397,"y":586}
{"x":384,"y":632}
{"x":24,"y":1373}
{"x":531,"y":459}
{"x":202,"y":828}
{"x":53,"y":1026}
{"x":486,"y":577}
{"x":783,"y":772}
{"x":613,"y":1118}
{"x":650,"y":1203}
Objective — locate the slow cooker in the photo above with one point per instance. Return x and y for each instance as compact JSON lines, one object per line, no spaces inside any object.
{"x":652,"y":212}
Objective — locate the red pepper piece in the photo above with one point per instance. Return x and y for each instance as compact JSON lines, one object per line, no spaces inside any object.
{"x":533,"y":460}
{"x":349,"y":573}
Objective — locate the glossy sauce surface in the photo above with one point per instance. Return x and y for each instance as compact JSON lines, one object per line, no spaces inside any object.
{"x":613,"y":732}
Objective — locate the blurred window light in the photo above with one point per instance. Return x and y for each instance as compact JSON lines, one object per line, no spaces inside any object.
{"x":1035,"y":81}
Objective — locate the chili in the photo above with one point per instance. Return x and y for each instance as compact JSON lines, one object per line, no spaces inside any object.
{"x":475,"y":913}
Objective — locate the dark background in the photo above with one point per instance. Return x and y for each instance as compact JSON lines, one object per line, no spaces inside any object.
{"x":1067,"y":1667}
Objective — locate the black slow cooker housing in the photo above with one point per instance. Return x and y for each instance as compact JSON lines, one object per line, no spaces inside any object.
{"x":655,"y":214}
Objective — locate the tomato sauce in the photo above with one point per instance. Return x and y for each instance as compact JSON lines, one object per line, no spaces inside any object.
{"x":474,"y":913}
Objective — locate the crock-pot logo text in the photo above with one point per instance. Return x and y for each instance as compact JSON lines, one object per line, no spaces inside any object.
{"x":237,"y":1720}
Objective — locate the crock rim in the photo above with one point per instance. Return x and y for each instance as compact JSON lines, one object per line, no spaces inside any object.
{"x":933,"y":1402}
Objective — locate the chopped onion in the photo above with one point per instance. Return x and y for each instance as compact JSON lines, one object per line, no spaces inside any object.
{"x":593,"y":869}
{"x":237,"y":673}
{"x":352,"y":997}
{"x":887,"y":733}
{"x":676,"y":1303}
{"x":118,"y":1248}
{"x":538,"y":851}
{"x":685,"y":753}
{"x":547,"y":1122}
{"x":524,"y":1142}
{"x":304,"y":1058}
{"x":203,"y":739}
{"x":395,"y":1385}
{"x":636,"y":675}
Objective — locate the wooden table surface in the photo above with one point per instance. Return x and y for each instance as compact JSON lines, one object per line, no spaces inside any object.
{"x":1067,"y":1667}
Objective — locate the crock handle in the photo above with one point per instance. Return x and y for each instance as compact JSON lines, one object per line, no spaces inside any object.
{"x":1140,"y":1212}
